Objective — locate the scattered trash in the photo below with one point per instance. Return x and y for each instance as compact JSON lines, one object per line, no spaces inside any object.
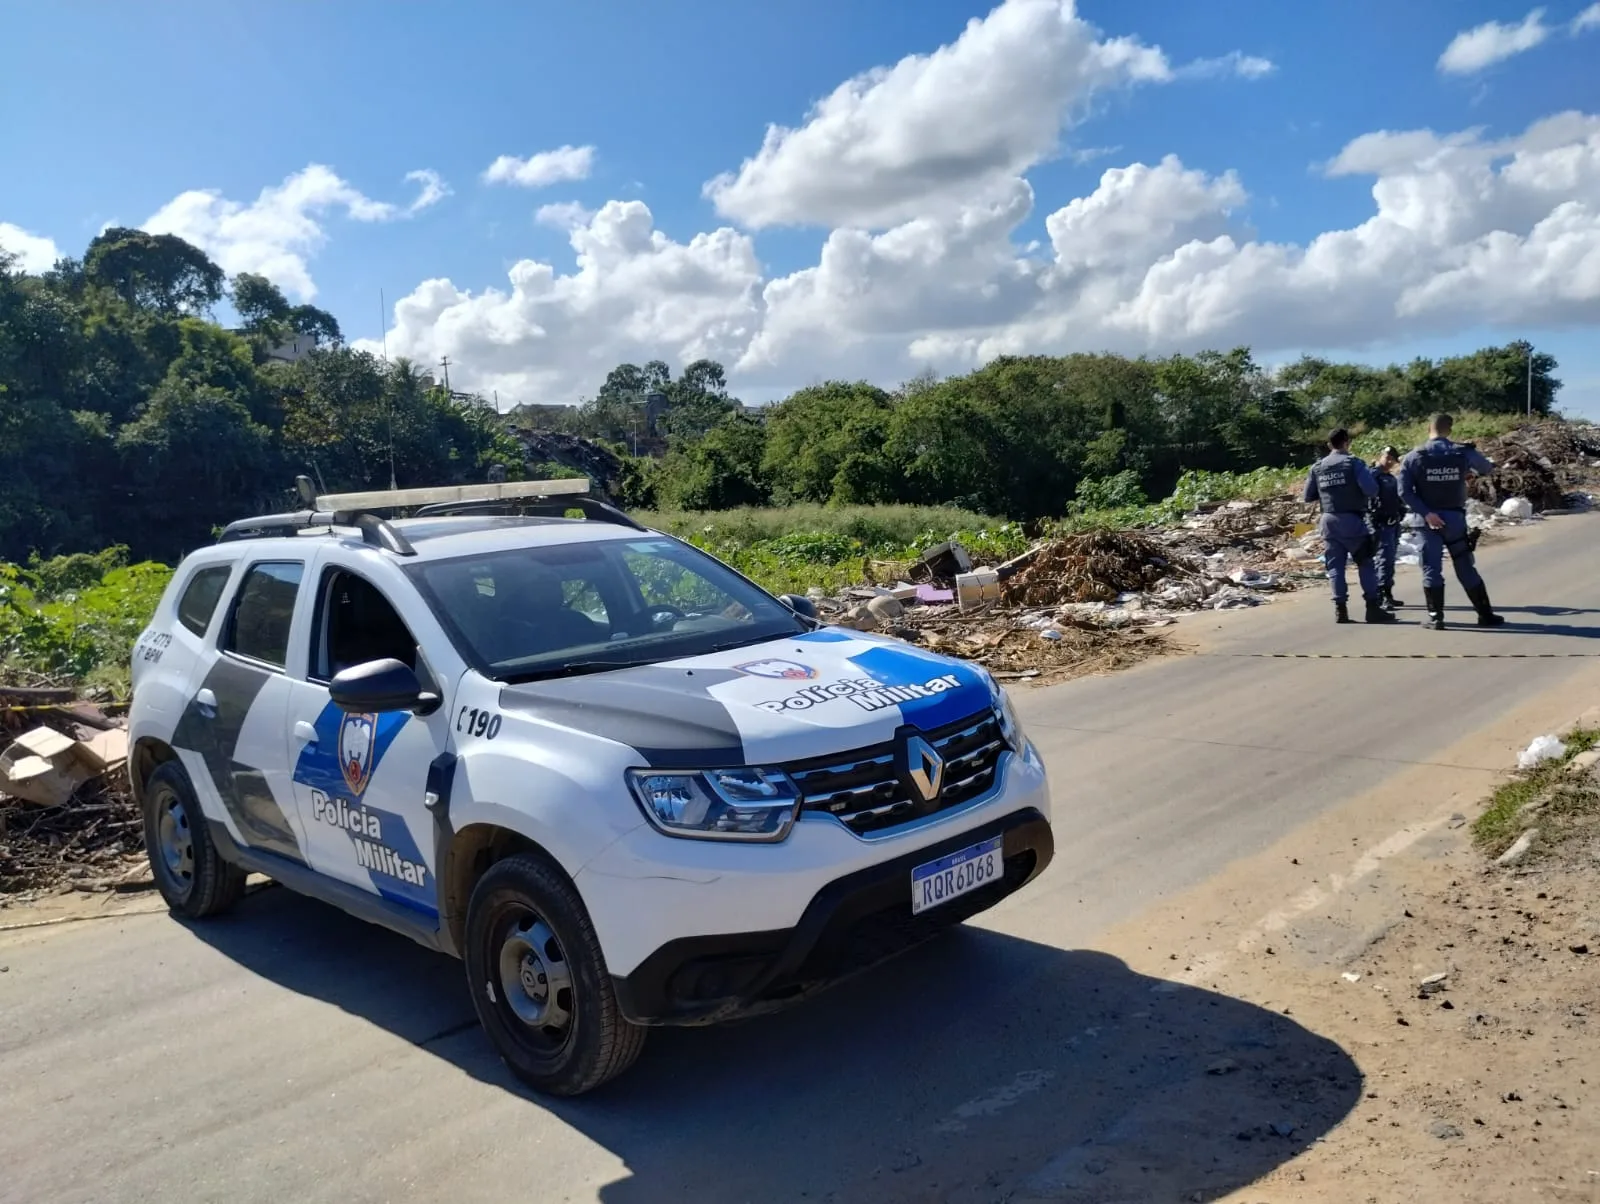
{"x":1517,"y":507}
{"x":45,"y":766}
{"x":942,"y":562}
{"x":1253,"y":579}
{"x":1433,"y":984}
{"x":977,"y":589}
{"x":1350,"y":976}
{"x":1543,"y":748}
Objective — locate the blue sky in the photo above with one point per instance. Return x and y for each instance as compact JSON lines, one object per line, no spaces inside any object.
{"x":111,"y":112}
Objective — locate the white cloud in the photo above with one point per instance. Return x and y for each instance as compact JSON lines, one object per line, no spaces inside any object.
{"x":35,"y":253}
{"x":918,"y":170}
{"x":543,"y":169}
{"x":277,"y":232}
{"x":434,"y":189}
{"x":563,"y":215}
{"x":1246,"y":66}
{"x":636,"y":295}
{"x":1472,"y":50}
{"x":895,"y":143}
{"x":1589,"y":18}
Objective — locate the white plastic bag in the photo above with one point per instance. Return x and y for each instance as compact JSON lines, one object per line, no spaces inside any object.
{"x":1544,"y":748}
{"x":1517,"y":507}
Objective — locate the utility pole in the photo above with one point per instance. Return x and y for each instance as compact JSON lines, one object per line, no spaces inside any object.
{"x":445,"y":364}
{"x":1530,"y":380}
{"x":383,"y":324}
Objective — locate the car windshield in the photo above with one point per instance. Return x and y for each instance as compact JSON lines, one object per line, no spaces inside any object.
{"x":526,"y":613}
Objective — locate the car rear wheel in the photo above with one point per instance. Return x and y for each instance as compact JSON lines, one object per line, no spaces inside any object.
{"x":539,"y":981}
{"x":189,"y":872}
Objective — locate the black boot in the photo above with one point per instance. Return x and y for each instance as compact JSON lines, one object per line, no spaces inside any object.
{"x":1375,"y":611}
{"x":1390,"y":602}
{"x":1341,"y":613}
{"x":1480,"y":603}
{"x":1433,"y":596}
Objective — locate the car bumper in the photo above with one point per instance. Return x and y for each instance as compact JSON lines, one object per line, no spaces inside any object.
{"x":853,"y":923}
{"x":698,"y":931}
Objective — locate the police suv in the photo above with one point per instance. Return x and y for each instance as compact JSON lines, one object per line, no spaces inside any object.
{"x":622,"y":783}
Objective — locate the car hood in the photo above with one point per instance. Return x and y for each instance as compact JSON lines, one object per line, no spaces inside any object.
{"x":813,"y":695}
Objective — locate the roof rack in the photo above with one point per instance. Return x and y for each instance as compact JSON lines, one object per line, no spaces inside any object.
{"x":547,"y":498}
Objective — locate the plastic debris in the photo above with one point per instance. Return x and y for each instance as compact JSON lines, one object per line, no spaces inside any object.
{"x":1517,"y":507}
{"x":1543,"y":748}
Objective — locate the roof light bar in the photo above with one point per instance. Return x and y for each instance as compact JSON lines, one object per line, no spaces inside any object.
{"x":504,"y":491}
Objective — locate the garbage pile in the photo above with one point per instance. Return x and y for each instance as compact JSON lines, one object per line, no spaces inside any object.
{"x":67,"y":818}
{"x":1543,"y":462}
{"x":1099,"y":566}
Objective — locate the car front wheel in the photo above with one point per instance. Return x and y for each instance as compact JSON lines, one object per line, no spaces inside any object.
{"x":189,"y":872}
{"x":539,"y":981}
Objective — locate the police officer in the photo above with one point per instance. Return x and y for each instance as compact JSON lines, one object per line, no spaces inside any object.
{"x":1387,"y":511}
{"x":1344,"y":486}
{"x":1433,"y":482}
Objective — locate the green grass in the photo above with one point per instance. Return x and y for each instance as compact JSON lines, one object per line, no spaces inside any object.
{"x":791,"y":549}
{"x":871,"y":526}
{"x":1568,"y":797}
{"x":1469,"y":428}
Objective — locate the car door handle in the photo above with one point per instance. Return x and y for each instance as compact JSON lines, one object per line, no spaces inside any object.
{"x":305,"y":731}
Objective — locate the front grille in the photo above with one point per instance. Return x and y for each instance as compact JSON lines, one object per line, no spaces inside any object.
{"x":866,"y":794}
{"x":880,"y":935}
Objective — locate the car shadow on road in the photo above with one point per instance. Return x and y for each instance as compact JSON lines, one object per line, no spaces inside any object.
{"x":976,"y":1068}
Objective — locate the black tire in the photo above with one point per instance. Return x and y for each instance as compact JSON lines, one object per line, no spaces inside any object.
{"x":563,"y":1032}
{"x":189,"y":872}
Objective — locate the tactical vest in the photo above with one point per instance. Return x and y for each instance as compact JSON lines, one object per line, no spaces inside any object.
{"x":1441,"y":477}
{"x":1388,"y":506}
{"x":1337,"y":487}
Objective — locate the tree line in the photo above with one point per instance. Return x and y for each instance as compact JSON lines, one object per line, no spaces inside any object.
{"x":128,"y":416}
{"x":1026,"y":437}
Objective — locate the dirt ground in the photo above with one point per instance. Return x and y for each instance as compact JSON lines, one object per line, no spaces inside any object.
{"x":1480,"y":1086}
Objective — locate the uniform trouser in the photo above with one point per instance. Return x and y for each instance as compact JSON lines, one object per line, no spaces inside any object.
{"x":1454,"y":537}
{"x":1346,"y":538}
{"x":1388,"y":550}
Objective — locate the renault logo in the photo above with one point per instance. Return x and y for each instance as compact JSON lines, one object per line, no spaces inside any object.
{"x":924,"y":768}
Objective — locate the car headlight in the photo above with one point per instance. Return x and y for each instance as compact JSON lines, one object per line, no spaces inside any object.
{"x":718,"y":804}
{"x":1010,"y":725}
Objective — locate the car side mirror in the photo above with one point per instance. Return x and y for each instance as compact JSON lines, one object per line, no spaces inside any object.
{"x":801,"y":605}
{"x":379,"y":686}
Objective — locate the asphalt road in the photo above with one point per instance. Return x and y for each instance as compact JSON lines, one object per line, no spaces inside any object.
{"x":290,"y":1053}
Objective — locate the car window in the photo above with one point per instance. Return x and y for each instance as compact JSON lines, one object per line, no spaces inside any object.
{"x":358,"y":625}
{"x":582,"y":595}
{"x":263,"y":611}
{"x":531,"y":612}
{"x":200,"y":598}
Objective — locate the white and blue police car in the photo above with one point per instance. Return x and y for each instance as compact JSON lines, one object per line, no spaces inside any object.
{"x":623,"y":784}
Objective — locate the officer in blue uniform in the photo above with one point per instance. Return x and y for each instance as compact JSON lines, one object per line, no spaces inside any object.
{"x":1344,"y":486}
{"x":1387,"y":510}
{"x":1433,"y":482}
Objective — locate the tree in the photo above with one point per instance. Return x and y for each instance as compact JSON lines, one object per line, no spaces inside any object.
{"x":318,"y":323}
{"x":193,"y":460}
{"x":720,"y":471}
{"x":813,"y":434}
{"x":260,"y":304}
{"x":161,"y":272}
